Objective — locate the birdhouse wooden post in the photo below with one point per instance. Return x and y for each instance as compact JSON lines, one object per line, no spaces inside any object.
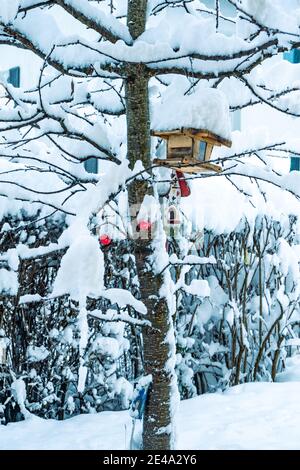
{"x":189,"y":150}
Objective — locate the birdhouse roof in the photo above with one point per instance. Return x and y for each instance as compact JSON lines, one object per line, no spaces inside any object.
{"x":194,"y":133}
{"x":205,"y":112}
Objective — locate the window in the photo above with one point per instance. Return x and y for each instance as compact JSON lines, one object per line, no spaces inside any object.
{"x":202,"y":151}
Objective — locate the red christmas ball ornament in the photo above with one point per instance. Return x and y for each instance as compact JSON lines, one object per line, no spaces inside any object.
{"x":105,"y":240}
{"x":144,"y":225}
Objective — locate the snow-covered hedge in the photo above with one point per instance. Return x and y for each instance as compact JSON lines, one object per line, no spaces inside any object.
{"x":42,"y":335}
{"x":236,"y":319}
{"x":246,"y":327}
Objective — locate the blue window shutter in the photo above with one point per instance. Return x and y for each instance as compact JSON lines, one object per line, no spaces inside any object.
{"x":91,"y":165}
{"x":292,"y":56}
{"x":289,"y":56}
{"x":296,"y":56}
{"x":14,"y":76}
{"x":295,"y":164}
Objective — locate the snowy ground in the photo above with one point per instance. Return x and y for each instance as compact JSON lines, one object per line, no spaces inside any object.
{"x":251,"y":416}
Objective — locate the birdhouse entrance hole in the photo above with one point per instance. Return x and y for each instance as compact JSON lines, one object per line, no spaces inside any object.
{"x":172,"y":216}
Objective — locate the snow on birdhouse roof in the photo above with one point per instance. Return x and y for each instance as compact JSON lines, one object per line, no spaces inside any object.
{"x":206,"y":110}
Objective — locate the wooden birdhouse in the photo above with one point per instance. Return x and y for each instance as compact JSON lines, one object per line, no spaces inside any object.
{"x":189,"y":150}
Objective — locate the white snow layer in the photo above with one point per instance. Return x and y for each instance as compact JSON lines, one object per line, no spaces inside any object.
{"x":124,"y":298}
{"x":9,"y":10}
{"x":19,"y":392}
{"x":250,"y":416}
{"x":82,"y":269}
{"x":272,"y":13}
{"x":94,"y":13}
{"x":198,"y":287}
{"x":36,"y":353}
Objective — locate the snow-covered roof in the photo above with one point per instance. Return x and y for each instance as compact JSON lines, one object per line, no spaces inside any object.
{"x":207,"y":110}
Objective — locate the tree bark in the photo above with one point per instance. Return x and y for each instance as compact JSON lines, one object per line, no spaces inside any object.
{"x":157,"y":341}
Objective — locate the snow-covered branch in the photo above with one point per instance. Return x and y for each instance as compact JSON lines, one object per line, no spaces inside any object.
{"x":106,"y":25}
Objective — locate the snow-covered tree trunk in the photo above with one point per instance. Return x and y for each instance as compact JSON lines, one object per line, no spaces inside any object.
{"x":157,"y":419}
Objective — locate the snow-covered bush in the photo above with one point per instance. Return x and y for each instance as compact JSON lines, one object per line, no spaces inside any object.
{"x":243,"y":331}
{"x":237,"y":318}
{"x":42,"y":337}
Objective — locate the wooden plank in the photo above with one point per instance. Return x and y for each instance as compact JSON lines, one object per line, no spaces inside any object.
{"x":190,"y":167}
{"x":180,"y":152}
{"x":208,"y":152}
{"x":180,"y":140}
{"x":202,"y":168}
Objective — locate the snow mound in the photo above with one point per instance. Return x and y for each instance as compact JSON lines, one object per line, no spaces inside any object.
{"x":82,"y":270}
{"x":207,"y":109}
{"x":250,"y":416}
